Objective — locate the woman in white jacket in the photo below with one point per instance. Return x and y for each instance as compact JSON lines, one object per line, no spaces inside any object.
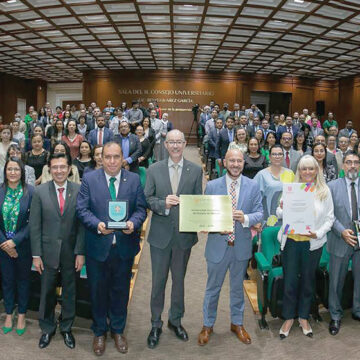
{"x":301,"y":252}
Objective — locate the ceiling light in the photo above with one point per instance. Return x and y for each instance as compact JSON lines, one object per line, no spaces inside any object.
{"x":11,"y":1}
{"x":299,"y":1}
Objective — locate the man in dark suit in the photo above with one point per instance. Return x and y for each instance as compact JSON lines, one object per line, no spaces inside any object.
{"x":130,"y":146}
{"x":101,"y":135}
{"x":57,"y":243}
{"x":109,"y":253}
{"x":342,"y":242}
{"x":212,"y":140}
{"x":288,"y":127}
{"x":226,"y":136}
{"x":169,"y":248}
{"x":91,"y":118}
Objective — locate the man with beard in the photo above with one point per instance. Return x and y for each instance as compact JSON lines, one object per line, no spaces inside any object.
{"x":231,"y":251}
{"x":342,"y":240}
{"x":101,"y":135}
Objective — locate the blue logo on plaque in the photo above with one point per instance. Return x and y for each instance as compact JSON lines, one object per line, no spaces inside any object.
{"x":117,"y":210}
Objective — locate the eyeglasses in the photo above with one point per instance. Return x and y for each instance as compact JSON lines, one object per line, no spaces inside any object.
{"x":277,"y":155}
{"x":286,"y":138}
{"x":350,"y":163}
{"x":173,"y":143}
{"x":15,"y":170}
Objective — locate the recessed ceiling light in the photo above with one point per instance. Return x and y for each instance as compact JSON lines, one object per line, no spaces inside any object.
{"x":299,"y":1}
{"x":11,"y":1}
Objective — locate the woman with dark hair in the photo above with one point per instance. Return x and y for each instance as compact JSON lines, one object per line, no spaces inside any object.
{"x":60,"y":147}
{"x":66,"y":118}
{"x":38,"y":130}
{"x":82,"y":126}
{"x":254,"y":161}
{"x":259,"y":135}
{"x":145,"y":147}
{"x":84,"y":158}
{"x":124,"y":109}
{"x":37,"y":156}
{"x":300,"y":143}
{"x":328,"y":170}
{"x":15,"y":250}
{"x":270,"y":141}
{"x":42,"y":117}
{"x":96,"y":159}
{"x":72,"y":138}
{"x":57,"y":132}
{"x":149,"y":133}
{"x":14,"y":151}
{"x":5,"y":142}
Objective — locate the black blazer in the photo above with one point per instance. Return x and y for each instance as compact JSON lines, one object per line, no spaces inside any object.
{"x":145,"y":152}
{"x":22,"y":236}
{"x":222,"y":143}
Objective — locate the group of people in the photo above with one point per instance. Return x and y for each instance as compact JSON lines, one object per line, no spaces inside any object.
{"x":62,"y":223}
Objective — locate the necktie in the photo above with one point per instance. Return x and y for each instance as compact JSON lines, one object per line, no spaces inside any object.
{"x":354,"y":207}
{"x":112,"y":188}
{"x":233,"y":202}
{"x":61,"y":200}
{"x":175,"y":179}
{"x":100,"y":137}
{"x":289,"y":130}
{"x":287,"y":159}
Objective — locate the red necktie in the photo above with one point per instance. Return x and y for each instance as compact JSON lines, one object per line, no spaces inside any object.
{"x":61,"y":200}
{"x":287,"y":159}
{"x":100,"y":137}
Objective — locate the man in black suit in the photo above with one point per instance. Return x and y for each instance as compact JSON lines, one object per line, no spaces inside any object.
{"x":57,"y":243}
{"x":130,"y":145}
{"x":226,"y":136}
{"x":212,"y":140}
{"x":288,"y":127}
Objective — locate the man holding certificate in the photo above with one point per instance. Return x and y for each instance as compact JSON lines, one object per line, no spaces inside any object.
{"x":301,"y":240}
{"x":231,"y":251}
{"x":170,"y":248}
{"x":111,"y":205}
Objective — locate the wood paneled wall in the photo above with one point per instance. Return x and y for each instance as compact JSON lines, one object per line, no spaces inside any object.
{"x":101,"y":86}
{"x":12,"y":87}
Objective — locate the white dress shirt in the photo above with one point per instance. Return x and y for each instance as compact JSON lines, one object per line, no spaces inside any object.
{"x":229,"y":180}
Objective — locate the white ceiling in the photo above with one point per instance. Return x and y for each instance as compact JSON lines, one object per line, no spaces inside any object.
{"x":55,"y":40}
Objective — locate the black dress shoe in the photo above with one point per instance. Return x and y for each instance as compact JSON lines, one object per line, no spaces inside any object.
{"x":154,"y":337}
{"x":334,"y":327}
{"x":355,"y":317}
{"x":45,"y":340}
{"x":180,"y":332}
{"x":69,"y":339}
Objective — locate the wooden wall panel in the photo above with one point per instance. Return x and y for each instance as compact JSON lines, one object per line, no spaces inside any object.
{"x":12,"y":88}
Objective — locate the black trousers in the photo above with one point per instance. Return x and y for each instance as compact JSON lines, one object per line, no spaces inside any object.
{"x":48,"y":298}
{"x":299,"y":265}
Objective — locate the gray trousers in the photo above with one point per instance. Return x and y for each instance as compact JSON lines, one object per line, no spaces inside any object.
{"x":175,"y":259}
{"x":338,"y":268}
{"x":216,"y":276}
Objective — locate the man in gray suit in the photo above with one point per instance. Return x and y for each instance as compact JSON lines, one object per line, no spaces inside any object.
{"x":291,"y":156}
{"x":231,"y":251}
{"x":169,"y":248}
{"x":342,"y":240}
{"x":57,"y":243}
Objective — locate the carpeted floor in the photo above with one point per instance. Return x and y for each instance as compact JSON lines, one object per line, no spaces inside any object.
{"x":223,"y":344}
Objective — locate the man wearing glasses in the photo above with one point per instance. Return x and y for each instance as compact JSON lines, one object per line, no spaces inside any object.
{"x":342,"y":242}
{"x":169,"y":248}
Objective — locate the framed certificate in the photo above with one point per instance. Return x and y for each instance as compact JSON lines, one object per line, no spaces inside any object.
{"x":211,"y":213}
{"x":298,"y":208}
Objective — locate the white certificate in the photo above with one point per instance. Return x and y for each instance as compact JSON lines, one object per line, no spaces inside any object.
{"x":298,"y":208}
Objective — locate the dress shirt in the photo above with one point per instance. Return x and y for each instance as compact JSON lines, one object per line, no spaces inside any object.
{"x":231,"y":135}
{"x":57,"y":187}
{"x":116,"y":184}
{"x":348,"y":186}
{"x":171,"y":174}
{"x":229,"y":180}
{"x":125,"y":146}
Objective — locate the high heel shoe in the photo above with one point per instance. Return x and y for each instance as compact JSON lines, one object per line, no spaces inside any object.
{"x":284,"y":334}
{"x":6,"y":329}
{"x":21,"y":332}
{"x":308,"y":333}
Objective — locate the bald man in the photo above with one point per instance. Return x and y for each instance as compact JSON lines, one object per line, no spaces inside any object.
{"x":232,"y":251}
{"x":169,"y":248}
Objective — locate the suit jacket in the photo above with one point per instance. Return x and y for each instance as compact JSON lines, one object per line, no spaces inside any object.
{"x":281,"y":129}
{"x":342,"y":212}
{"x":315,"y":132}
{"x":52,"y":233}
{"x":92,"y":208}
{"x":22,"y":236}
{"x":222,"y":143}
{"x":107,"y":136}
{"x":332,"y":160}
{"x":250,"y":202}
{"x":165,"y":228}
{"x":294,"y":159}
{"x":344,"y":132}
{"x":134,"y":150}
{"x":212,"y":140}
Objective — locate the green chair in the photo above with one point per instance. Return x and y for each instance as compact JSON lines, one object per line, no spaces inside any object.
{"x":269,"y":275}
{"x":142,"y":174}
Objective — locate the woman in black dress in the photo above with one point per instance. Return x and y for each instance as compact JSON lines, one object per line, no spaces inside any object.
{"x":254,"y":161}
{"x":84,"y":158}
{"x":145,"y":147}
{"x":37,"y":157}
